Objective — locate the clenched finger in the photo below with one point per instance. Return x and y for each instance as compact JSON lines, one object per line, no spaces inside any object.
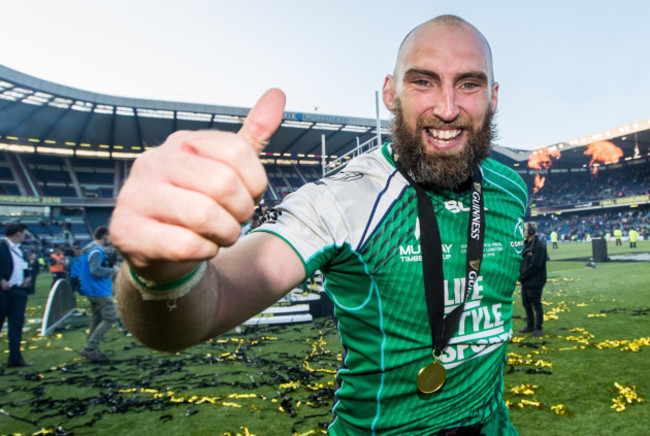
{"x":157,"y":241}
{"x":192,"y":210}
{"x":215,"y":179}
{"x":229,"y":149}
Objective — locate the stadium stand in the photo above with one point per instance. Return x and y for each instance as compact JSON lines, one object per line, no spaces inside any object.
{"x":572,"y":203}
{"x":614,"y":181}
{"x":587,"y":225}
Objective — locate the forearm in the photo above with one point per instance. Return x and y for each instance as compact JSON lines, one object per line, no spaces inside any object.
{"x":239,"y":283}
{"x":190,"y":322}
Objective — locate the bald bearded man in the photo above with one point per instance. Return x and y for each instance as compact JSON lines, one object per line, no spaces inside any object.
{"x":418,"y":241}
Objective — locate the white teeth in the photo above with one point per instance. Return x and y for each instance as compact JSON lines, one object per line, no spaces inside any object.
{"x":444,"y":134}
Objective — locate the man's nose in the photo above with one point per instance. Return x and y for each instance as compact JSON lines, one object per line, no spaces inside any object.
{"x":445,"y":106}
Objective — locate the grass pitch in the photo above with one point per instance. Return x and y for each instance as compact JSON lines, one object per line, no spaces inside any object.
{"x":587,"y":376}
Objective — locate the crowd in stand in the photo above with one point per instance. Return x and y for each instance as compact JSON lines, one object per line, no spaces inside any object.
{"x":572,"y":188}
{"x":581,"y":227}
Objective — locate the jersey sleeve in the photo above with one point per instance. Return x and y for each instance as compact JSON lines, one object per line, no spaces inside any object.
{"x":309,"y":220}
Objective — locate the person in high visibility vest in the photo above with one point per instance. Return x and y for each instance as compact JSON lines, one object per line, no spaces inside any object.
{"x":633,"y":236}
{"x":554,"y":239}
{"x":618,"y":234}
{"x":58,"y":262}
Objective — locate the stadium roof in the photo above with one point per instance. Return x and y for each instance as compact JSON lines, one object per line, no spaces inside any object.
{"x":623,"y":145}
{"x":52,"y":116}
{"x":45,"y":117}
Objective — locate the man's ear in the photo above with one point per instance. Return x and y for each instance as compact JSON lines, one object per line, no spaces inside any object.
{"x":388,"y":93}
{"x":495,"y":95}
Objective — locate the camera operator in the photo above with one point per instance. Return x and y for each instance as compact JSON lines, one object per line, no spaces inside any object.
{"x":97,"y":286}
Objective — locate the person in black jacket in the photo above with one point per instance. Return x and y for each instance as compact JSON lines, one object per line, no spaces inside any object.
{"x":14,"y":287}
{"x":532,"y":275}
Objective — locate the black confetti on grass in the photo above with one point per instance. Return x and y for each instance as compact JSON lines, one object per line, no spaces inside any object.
{"x":154,"y":383}
{"x":512,"y":369}
{"x":626,"y":311}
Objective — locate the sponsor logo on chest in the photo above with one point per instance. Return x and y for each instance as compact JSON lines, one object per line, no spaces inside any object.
{"x":413,"y":252}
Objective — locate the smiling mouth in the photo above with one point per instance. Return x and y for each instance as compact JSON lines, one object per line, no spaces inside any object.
{"x":443,"y":137}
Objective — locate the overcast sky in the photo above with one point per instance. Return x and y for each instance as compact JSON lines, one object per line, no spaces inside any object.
{"x":566,"y":68}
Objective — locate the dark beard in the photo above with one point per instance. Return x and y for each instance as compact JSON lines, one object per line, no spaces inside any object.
{"x":440,"y":168}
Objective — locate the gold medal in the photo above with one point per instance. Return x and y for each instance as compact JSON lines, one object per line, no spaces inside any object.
{"x":431,"y":378}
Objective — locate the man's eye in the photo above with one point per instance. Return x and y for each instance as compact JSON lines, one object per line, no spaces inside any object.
{"x":422,"y":82}
{"x":470,"y":86}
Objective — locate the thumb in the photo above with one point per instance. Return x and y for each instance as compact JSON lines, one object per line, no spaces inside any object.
{"x":263,"y":119}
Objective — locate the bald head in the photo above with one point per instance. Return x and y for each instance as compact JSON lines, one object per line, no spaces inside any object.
{"x":428,"y":32}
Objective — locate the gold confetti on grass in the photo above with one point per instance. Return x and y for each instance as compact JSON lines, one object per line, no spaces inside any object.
{"x":245,"y":433}
{"x":525,"y":403}
{"x":217,"y":400}
{"x":559,"y":409}
{"x":311,"y":432}
{"x":584,"y":338}
{"x":524,"y":389}
{"x":289,"y":385}
{"x":557,"y":309}
{"x":518,"y":360}
{"x":636,"y":344}
{"x":557,"y":279}
{"x":263,"y":338}
{"x":627,"y":396}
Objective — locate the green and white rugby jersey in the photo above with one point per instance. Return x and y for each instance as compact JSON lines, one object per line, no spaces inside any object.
{"x":360,"y":228}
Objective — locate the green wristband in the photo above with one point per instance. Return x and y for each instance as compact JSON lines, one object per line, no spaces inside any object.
{"x":168,"y":290}
{"x":151,"y":285}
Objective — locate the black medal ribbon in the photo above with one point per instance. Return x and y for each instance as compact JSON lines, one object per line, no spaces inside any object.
{"x":443,"y":327}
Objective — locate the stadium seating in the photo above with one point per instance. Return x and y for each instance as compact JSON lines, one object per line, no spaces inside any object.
{"x":580,"y":187}
{"x":584,"y":225}
{"x":38,"y":175}
{"x":8,"y":184}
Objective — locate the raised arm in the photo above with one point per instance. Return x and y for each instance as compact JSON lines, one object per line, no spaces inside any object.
{"x":182,"y":203}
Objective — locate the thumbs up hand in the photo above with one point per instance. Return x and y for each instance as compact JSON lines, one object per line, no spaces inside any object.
{"x":188,"y":197}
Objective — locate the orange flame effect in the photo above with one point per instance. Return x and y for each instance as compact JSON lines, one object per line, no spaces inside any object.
{"x":604,"y":152}
{"x":539,"y":159}
{"x":542,"y":158}
{"x":539,"y":183}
